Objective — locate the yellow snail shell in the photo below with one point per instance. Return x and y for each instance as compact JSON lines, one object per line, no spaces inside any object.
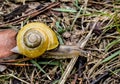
{"x":34,"y":39}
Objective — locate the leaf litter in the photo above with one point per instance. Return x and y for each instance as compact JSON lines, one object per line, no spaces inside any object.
{"x":72,"y":21}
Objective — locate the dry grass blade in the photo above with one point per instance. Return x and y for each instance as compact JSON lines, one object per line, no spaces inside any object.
{"x":19,"y":79}
{"x":68,"y":70}
{"x":17,"y":64}
{"x":92,"y":25}
{"x":73,"y":60}
{"x":16,"y":60}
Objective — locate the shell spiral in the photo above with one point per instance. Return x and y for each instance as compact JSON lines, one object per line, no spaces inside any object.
{"x":35,"y":38}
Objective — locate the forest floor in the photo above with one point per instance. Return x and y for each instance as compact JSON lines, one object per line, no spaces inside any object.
{"x":74,"y":21}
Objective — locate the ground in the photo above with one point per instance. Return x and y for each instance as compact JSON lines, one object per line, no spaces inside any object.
{"x":93,"y":25}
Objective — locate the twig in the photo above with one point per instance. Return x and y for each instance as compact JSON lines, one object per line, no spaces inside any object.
{"x":104,"y":76}
{"x":16,"y":60}
{"x":19,"y":79}
{"x":16,"y":12}
{"x":17,"y":64}
{"x":31,"y":15}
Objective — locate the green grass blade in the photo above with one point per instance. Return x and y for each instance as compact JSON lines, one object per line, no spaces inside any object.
{"x":70,"y":10}
{"x":39,"y":67}
{"x":111,"y":57}
{"x":60,"y":39}
{"x":56,"y":63}
{"x":110,"y":45}
{"x":60,"y":29}
{"x":55,"y":82}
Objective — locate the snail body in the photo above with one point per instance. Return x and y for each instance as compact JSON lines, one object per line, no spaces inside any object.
{"x":34,"y":39}
{"x":63,"y":52}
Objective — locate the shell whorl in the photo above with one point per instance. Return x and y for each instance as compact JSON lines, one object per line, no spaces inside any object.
{"x":32,"y":38}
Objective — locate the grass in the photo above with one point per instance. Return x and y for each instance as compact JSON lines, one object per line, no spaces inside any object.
{"x":117,"y":53}
{"x":70,"y":10}
{"x":39,"y":67}
{"x":101,"y":51}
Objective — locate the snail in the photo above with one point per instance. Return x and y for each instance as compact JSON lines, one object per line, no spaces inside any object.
{"x":34,"y":39}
